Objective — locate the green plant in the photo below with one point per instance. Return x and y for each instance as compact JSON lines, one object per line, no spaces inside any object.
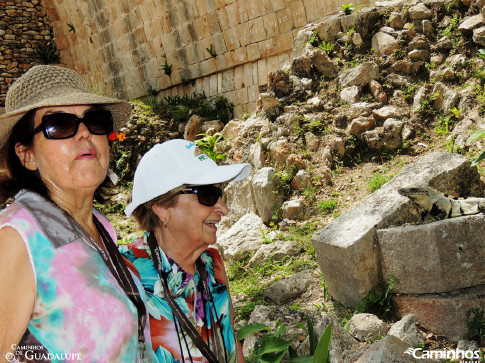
{"x":410,"y":90}
{"x":475,"y":136}
{"x":211,"y":51}
{"x":167,"y":68}
{"x":453,"y":25}
{"x":208,"y":144}
{"x":347,"y":8}
{"x":400,"y":53}
{"x":272,"y":347}
{"x":327,"y":47}
{"x":475,"y":324}
{"x":314,"y":40}
{"x":378,"y":300}
{"x":283,"y":179}
{"x":246,"y":116}
{"x":481,"y":53}
{"x":49,"y":54}
{"x":327,"y":206}
{"x":377,"y":181}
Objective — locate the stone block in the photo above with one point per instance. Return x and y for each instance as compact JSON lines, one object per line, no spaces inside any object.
{"x":267,"y":48}
{"x":228,"y":81}
{"x":219,"y":43}
{"x":253,"y":52}
{"x":256,"y":30}
{"x":270,"y":22}
{"x":232,"y":12}
{"x":285,"y":20}
{"x":241,"y":96}
{"x":231,"y":38}
{"x":346,"y":250}
{"x":213,"y":85}
{"x":238,"y":77}
{"x":443,"y":314}
{"x":299,"y":14}
{"x":201,"y":27}
{"x":223,"y":19}
{"x":243,"y":12}
{"x":243,"y":33}
{"x":247,"y":75}
{"x":285,"y":42}
{"x":240,"y":55}
{"x":208,"y":66}
{"x":435,"y":257}
{"x":253,"y":94}
{"x":311,"y":10}
{"x":253,"y":8}
{"x":262,"y":72}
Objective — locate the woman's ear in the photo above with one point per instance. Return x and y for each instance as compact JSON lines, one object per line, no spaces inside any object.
{"x":163,"y":213}
{"x":26,"y":156}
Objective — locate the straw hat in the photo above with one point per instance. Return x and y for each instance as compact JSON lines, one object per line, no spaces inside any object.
{"x":48,"y":85}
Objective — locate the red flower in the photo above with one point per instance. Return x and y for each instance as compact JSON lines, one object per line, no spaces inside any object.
{"x":112,"y":136}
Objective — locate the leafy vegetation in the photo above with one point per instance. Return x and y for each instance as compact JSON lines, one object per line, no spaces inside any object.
{"x":475,"y":324}
{"x":272,"y":347}
{"x":167,"y":68}
{"x":378,"y":300}
{"x":377,"y":181}
{"x":49,"y":54}
{"x":208,"y":144}
{"x":327,"y":206}
{"x":347,"y":8}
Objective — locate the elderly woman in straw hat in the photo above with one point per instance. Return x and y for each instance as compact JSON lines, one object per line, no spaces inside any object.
{"x":176,"y":198}
{"x":65,"y":291}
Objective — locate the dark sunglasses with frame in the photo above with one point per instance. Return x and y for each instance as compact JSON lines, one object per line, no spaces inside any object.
{"x":62,"y":125}
{"x":207,"y":195}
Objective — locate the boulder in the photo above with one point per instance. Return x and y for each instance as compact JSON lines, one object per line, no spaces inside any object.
{"x":350,"y":94}
{"x":301,"y":180}
{"x":384,"y":44}
{"x":388,"y":349}
{"x":366,"y":327}
{"x":279,"y":83}
{"x":322,"y":62}
{"x":192,"y":128}
{"x":419,"y":11}
{"x":345,"y":249}
{"x":276,"y":251}
{"x":407,"y":331}
{"x":446,"y":98}
{"x":361,"y":124}
{"x":290,"y":287}
{"x":359,"y":75}
{"x":293,"y":209}
{"x":470,"y":23}
{"x":265,"y":198}
{"x":242,"y":239}
{"x":301,"y":67}
{"x":479,"y":35}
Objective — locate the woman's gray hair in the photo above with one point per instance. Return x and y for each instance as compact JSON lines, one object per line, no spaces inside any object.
{"x":144,"y":214}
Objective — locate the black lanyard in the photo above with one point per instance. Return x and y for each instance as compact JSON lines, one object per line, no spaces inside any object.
{"x":124,"y":279}
{"x":184,"y":322}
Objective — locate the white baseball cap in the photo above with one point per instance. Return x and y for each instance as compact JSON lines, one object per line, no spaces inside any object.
{"x":175,"y":163}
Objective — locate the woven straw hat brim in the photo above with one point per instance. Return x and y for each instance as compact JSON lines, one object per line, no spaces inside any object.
{"x":121,"y":110}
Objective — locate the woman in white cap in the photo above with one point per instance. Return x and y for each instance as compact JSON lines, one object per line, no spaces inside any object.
{"x":65,"y":291}
{"x":177,"y":200}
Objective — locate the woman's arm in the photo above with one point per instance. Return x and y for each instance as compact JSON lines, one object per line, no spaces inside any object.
{"x":17,"y":290}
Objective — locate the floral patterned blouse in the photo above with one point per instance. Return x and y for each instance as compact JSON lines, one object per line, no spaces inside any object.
{"x":170,"y":343}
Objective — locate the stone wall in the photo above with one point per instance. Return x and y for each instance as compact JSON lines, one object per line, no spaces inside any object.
{"x":125,"y":43}
{"x":24,"y":31}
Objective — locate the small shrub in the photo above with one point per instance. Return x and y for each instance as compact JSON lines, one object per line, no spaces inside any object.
{"x":378,"y":181}
{"x":347,"y":8}
{"x":327,"y":206}
{"x":378,"y":300}
{"x":475,"y":324}
{"x":167,"y":68}
{"x":49,"y":54}
{"x":208,"y":144}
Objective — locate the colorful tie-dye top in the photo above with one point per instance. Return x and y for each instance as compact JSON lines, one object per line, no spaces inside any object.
{"x":167,"y":338}
{"x":79,"y":310}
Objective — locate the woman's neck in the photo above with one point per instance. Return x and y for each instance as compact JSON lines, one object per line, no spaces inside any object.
{"x":187,"y":263}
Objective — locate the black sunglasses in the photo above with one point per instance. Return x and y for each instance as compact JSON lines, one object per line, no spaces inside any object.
{"x":61,"y":125}
{"x":207,"y":195}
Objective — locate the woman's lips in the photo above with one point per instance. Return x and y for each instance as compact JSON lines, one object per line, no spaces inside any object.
{"x":86,"y":154}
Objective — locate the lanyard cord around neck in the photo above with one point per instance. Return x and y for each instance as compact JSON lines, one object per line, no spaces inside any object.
{"x":185,"y":324}
{"x":123,"y":276}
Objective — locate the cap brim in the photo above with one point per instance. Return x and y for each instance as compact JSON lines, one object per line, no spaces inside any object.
{"x":221,"y":174}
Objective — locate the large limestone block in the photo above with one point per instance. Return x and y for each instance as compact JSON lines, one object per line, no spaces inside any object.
{"x":435,"y":257}
{"x":346,"y":249}
{"x":264,"y":191}
{"x":443,"y":314}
